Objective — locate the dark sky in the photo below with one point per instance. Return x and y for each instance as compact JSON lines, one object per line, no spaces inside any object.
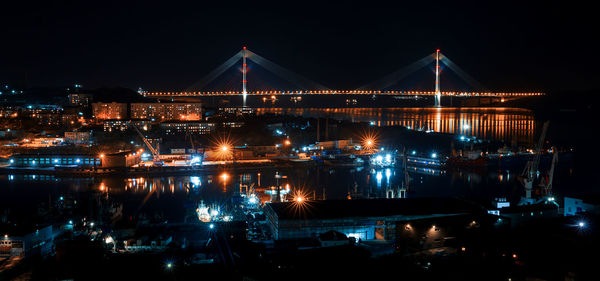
{"x":507,"y":45}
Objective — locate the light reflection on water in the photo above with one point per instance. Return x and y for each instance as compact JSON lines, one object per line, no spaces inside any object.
{"x":503,"y":124}
{"x":170,"y":195}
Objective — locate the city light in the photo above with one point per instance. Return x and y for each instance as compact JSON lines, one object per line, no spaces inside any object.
{"x":581,"y":224}
{"x":211,"y":226}
{"x":223,"y":148}
{"x":369,"y":139}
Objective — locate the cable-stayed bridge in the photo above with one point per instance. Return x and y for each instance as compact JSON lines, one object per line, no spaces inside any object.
{"x":302,"y":86}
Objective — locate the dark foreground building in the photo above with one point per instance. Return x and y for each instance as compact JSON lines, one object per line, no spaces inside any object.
{"x":373,"y":219}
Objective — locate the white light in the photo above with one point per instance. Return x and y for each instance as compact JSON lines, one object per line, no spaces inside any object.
{"x":252,"y":200}
{"x":70,"y":222}
{"x":12,"y":161}
{"x":214,"y":213}
{"x":211,"y":226}
{"x":466,"y":126}
{"x":433,"y":155}
{"x":414,"y":152}
{"x":195,"y":181}
{"x":581,"y":224}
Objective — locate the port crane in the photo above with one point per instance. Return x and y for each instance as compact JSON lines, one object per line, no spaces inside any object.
{"x":155,"y":151}
{"x":530,"y":172}
{"x":546,"y":182}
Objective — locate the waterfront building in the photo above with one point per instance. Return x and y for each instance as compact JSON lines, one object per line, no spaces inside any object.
{"x":27,"y":243}
{"x":82,"y":160}
{"x":574,"y":206}
{"x":367,"y":219}
{"x":113,"y":110}
{"x":167,"y":111}
{"x":39,"y":160}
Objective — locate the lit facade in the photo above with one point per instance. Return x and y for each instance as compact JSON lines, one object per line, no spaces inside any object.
{"x":78,"y":137}
{"x":123,"y":125}
{"x":178,"y":127}
{"x":113,"y":110}
{"x":52,"y":160}
{"x":167,"y":111}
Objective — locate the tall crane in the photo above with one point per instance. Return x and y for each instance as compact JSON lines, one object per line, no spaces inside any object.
{"x":155,"y":151}
{"x":530,"y":172}
{"x":546,"y":182}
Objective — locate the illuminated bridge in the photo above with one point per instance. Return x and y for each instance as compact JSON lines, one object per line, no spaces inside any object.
{"x":312,"y":88}
{"x":339,"y":92}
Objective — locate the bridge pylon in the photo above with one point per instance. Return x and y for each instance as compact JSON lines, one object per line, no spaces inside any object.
{"x":438,"y":93}
{"x":244,"y":81}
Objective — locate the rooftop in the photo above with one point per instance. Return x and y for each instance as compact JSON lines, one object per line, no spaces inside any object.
{"x":337,"y":209}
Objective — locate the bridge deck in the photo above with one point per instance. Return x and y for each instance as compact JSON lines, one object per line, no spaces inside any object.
{"x":339,"y":92}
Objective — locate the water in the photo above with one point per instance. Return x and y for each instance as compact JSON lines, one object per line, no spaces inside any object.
{"x":512,"y":125}
{"x":175,"y":198}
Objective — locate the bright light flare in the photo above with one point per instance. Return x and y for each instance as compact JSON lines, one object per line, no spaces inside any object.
{"x":300,"y":204}
{"x":223,"y":148}
{"x":369,"y":139}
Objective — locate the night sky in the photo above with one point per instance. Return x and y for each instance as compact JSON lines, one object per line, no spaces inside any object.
{"x":506,"y":46}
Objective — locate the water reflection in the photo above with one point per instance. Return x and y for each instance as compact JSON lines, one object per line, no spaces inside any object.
{"x":504,"y":124}
{"x":174,"y":197}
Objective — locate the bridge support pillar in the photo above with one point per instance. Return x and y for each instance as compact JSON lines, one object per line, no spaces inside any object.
{"x":438,"y":94}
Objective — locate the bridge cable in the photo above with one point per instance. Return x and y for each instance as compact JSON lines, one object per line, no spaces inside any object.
{"x":462,"y":74}
{"x":292,"y":77}
{"x":215,"y":73}
{"x":398,"y":75}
